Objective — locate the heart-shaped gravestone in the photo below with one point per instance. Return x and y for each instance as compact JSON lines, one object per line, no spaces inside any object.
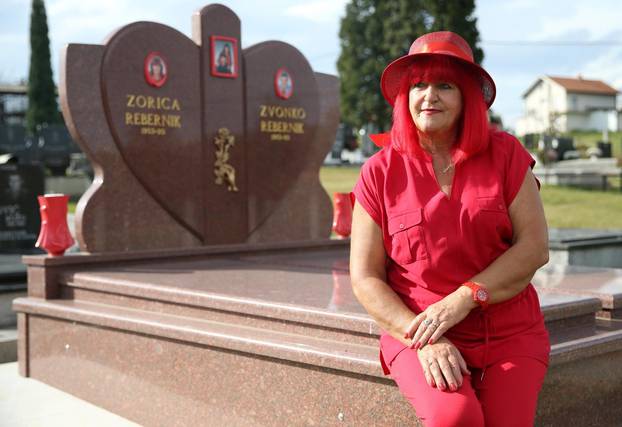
{"x":282,"y":115}
{"x":152,"y":99}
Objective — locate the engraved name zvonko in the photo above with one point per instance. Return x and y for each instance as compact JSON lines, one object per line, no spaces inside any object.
{"x":276,"y":111}
{"x":280,"y":130}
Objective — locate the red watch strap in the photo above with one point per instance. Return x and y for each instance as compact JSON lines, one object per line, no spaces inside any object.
{"x":478,"y":291}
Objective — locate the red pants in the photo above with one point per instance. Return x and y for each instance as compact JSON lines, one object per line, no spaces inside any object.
{"x":506,"y":397}
{"x":508,"y":343}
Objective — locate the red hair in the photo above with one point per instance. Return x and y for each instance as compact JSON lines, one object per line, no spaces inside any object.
{"x":473,"y":128}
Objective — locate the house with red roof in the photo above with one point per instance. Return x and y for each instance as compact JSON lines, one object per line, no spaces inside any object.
{"x":563,"y":104}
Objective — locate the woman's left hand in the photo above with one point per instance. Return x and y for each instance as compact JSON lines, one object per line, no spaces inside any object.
{"x":435,"y":320}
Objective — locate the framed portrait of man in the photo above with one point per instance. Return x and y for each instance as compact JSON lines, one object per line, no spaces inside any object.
{"x":224,"y":57}
{"x":156,"y":69}
{"x":283,"y":83}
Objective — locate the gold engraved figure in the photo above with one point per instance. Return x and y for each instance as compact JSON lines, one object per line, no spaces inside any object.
{"x":225,"y":173}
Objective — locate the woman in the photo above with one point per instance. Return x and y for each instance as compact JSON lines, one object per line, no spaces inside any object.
{"x":226,"y":52}
{"x":156,"y":69}
{"x":448,"y":230}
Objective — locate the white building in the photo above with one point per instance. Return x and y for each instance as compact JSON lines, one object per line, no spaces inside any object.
{"x":565,"y":104}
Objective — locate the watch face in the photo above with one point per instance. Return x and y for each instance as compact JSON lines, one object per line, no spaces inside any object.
{"x":481,"y":295}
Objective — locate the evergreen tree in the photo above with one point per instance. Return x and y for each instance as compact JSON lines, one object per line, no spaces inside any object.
{"x":372,"y":33}
{"x":355,"y":61}
{"x":42,"y":106}
{"x":375,"y":32}
{"x":457,"y":16}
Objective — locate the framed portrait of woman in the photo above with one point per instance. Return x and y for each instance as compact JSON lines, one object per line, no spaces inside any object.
{"x":155,"y":69}
{"x":224,"y":57}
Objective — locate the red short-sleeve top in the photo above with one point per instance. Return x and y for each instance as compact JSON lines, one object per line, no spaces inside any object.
{"x":432,"y":240}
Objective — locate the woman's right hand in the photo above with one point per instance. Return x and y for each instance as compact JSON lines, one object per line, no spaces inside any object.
{"x":443,"y":365}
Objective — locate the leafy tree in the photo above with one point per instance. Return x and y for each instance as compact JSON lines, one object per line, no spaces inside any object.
{"x":375,"y":32}
{"x":42,"y":106}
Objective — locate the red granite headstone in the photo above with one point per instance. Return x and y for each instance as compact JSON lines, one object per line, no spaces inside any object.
{"x":196,"y":141}
{"x":284,"y":129}
{"x":157,"y":129}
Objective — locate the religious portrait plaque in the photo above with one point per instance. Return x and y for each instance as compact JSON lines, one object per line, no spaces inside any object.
{"x":224,"y":58}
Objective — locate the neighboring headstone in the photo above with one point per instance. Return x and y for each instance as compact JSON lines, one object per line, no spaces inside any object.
{"x":605,"y":148}
{"x":55,"y":148}
{"x":531,"y":141}
{"x":12,"y":139}
{"x":585,"y":173}
{"x":19,"y":210}
{"x":368,"y":147}
{"x":198,"y":142}
{"x":562,"y":145}
{"x":585,"y":247}
{"x":338,"y":146}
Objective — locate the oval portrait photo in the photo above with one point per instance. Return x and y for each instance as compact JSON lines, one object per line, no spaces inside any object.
{"x":156,"y":71}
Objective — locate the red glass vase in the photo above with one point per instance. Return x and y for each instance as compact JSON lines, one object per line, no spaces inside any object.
{"x":342,"y":214}
{"x":54,"y":237}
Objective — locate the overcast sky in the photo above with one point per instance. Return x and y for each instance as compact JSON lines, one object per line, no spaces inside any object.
{"x":522,"y":39}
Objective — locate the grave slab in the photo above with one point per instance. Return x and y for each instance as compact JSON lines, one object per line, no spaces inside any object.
{"x":196,"y":328}
{"x":602,"y":283}
{"x":586,"y":247}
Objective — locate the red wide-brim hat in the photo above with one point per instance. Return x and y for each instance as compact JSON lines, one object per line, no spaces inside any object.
{"x":443,"y":43}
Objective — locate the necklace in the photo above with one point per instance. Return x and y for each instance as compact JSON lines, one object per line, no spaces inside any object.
{"x":449,"y":166}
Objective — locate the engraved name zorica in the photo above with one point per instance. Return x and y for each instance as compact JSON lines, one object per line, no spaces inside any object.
{"x":154,"y":115}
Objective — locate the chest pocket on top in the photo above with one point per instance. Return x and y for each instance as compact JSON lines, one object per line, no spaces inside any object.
{"x":491,"y":204}
{"x":407,"y":237}
{"x":491,"y":216}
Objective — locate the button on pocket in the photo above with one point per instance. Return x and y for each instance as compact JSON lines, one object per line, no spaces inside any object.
{"x":494,"y":204}
{"x":407,"y":238}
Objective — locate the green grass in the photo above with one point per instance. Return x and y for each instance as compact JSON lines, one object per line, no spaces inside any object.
{"x":72,"y":207}
{"x":569,"y":207}
{"x":564,"y":207}
{"x":339,"y":179}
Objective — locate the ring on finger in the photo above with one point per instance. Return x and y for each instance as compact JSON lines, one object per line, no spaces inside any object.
{"x":427,"y":322}
{"x":432,"y":324}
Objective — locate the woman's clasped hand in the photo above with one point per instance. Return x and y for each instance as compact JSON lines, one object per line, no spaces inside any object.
{"x":443,"y":365}
{"x":430,"y":325}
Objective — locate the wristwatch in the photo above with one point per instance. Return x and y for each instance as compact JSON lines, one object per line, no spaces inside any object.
{"x":480,"y":294}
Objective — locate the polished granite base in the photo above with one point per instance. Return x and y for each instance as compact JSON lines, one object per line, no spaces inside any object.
{"x":266,"y":335}
{"x":602,"y":283}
